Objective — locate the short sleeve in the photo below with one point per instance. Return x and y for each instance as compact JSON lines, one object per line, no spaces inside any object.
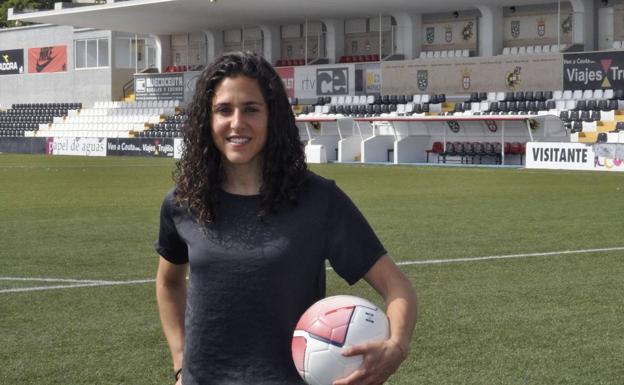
{"x":169,"y":243}
{"x":353,"y":247}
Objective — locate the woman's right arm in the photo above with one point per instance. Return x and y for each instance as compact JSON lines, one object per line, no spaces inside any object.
{"x":171,"y":297}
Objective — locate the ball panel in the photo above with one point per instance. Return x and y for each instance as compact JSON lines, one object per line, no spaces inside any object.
{"x":298,"y":352}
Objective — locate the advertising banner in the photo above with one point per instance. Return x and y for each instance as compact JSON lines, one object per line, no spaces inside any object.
{"x":472,"y":74}
{"x":288,"y":77}
{"x":593,"y":70}
{"x":21,"y":145}
{"x":168,"y":86}
{"x":324,"y":80}
{"x":76,"y":146}
{"x":47,"y":59}
{"x":177,"y":148}
{"x":575,"y":156}
{"x":12,"y":62}
{"x":162,"y":147}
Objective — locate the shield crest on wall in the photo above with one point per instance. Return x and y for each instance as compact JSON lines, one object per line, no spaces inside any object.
{"x":448,"y":36}
{"x":466,"y":79}
{"x":515,"y":28}
{"x":430,"y":35}
{"x":422,"y":79}
{"x":541,"y":28}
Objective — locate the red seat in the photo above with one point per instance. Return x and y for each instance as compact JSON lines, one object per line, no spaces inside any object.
{"x":278,"y":63}
{"x":436,"y":148}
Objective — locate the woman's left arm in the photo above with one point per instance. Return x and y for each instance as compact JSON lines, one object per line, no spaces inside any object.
{"x":382,"y":359}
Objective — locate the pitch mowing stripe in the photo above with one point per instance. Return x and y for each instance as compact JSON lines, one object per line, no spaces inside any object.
{"x":76,"y":283}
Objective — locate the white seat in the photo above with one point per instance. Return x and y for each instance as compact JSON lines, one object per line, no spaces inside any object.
{"x":430,"y":54}
{"x":416,"y":98}
{"x":451,"y":53}
{"x":570,"y":104}
{"x":546,"y":48}
{"x":409,"y":108}
{"x":348,"y":100}
{"x":577,"y":94}
{"x":341,"y":100}
{"x":444,"y":53}
{"x":557,"y":95}
{"x":465,"y":52}
{"x":485,"y":106}
{"x":608,"y":93}
{"x":459,"y":53}
{"x":370,"y":99}
{"x":554,"y":48}
{"x":537,"y":49}
{"x":500,"y":96}
{"x":424,"y":98}
{"x":475,"y":107}
{"x":400,"y":109}
{"x":491,"y":96}
{"x":436,"y":54}
{"x":588,"y":94}
{"x":506,"y":51}
{"x":567,"y":95}
{"x":530,"y":50}
{"x":522,"y":50}
{"x":334,"y":100}
{"x":423,"y":54}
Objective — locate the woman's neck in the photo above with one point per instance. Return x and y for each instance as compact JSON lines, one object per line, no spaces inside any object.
{"x":242,"y":179}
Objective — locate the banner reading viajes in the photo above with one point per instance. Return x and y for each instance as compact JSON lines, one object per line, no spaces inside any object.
{"x":12,"y":62}
{"x":162,"y":147}
{"x":593,"y":70}
{"x":47,"y":59}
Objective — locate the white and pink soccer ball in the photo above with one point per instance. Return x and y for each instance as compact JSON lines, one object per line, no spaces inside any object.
{"x":329,"y":325}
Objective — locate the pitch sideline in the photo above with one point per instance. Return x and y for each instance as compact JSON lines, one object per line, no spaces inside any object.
{"x":75,"y":283}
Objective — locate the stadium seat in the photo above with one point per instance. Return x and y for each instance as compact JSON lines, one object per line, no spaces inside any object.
{"x":436,"y":148}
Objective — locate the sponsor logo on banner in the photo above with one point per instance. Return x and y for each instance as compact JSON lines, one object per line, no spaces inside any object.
{"x":515,"y":28}
{"x":169,"y":86}
{"x":541,"y":27}
{"x":448,"y":35}
{"x":76,"y":146}
{"x":332,"y":81}
{"x":47,"y":59}
{"x":594,"y":70}
{"x":430,"y":35}
{"x":422,"y":79}
{"x":12,"y":62}
{"x":141,"y":147}
{"x":373,"y":80}
{"x":288,"y":77}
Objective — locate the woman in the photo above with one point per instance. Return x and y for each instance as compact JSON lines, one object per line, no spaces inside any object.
{"x":255,"y":227}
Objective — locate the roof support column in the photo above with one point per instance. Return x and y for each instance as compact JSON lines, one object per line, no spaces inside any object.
{"x":271,"y":42}
{"x":490,"y":30}
{"x":214,"y":40}
{"x":583,"y":23}
{"x":335,"y":39}
{"x":409,"y":34}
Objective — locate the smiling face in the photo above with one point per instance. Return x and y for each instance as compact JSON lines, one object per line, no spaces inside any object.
{"x":239,"y":122}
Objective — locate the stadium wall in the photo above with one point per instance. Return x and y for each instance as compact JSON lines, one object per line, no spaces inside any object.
{"x":68,"y":85}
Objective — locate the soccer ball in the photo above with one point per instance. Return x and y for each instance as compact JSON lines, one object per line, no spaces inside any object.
{"x":329,"y":325}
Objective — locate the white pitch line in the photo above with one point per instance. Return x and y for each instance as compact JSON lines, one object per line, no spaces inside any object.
{"x":86,"y":284}
{"x":510,"y":256}
{"x":75,"y":283}
{"x":52,"y":280}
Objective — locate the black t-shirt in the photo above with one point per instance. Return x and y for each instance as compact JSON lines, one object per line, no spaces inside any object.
{"x":251,"y":278}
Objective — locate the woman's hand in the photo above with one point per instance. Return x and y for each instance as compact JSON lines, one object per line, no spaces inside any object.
{"x":381,"y":360}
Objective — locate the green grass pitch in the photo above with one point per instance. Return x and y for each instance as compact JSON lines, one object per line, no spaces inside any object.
{"x":545,"y":319}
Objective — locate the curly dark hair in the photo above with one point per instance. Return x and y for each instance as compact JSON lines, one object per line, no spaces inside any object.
{"x":199,"y":174}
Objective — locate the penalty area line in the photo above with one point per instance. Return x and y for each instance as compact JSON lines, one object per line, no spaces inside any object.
{"x":77,"y":283}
